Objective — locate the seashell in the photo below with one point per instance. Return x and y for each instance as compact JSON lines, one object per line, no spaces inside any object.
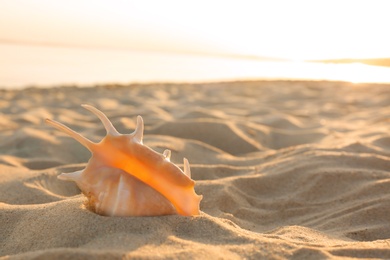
{"x":126,"y":178}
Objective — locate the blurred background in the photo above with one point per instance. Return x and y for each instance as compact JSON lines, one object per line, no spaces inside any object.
{"x":87,"y":42}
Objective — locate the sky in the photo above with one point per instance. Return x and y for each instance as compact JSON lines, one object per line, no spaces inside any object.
{"x":298,"y":30}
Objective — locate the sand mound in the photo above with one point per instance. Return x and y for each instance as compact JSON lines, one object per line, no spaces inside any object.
{"x":296,"y":170}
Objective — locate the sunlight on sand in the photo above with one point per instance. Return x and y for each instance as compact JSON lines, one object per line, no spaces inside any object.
{"x":287,"y":170}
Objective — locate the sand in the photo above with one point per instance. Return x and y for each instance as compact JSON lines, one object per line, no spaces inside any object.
{"x":287,"y":170}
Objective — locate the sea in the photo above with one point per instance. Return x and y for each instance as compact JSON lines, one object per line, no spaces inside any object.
{"x":24,"y":65}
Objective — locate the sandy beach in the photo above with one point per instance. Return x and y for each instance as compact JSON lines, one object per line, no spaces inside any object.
{"x":287,"y":170}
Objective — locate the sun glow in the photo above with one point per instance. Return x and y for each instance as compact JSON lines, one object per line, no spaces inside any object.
{"x":301,"y":29}
{"x":294,"y":30}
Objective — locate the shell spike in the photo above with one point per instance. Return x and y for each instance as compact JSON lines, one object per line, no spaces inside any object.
{"x":81,"y":139}
{"x":139,"y":130}
{"x":72,"y":176}
{"x":106,"y":122}
{"x":167,"y":155}
{"x":187,"y":170}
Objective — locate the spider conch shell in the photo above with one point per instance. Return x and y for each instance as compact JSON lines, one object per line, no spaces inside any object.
{"x":126,"y":178}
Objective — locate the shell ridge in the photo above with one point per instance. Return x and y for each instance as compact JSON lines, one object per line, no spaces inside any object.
{"x":119,"y":187}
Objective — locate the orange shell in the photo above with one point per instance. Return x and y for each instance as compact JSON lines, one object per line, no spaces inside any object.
{"x":126,"y":178}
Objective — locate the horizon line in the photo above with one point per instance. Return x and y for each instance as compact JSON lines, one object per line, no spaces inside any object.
{"x":117,"y":48}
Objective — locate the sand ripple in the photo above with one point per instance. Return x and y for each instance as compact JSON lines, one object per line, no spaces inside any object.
{"x":288,"y":170}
